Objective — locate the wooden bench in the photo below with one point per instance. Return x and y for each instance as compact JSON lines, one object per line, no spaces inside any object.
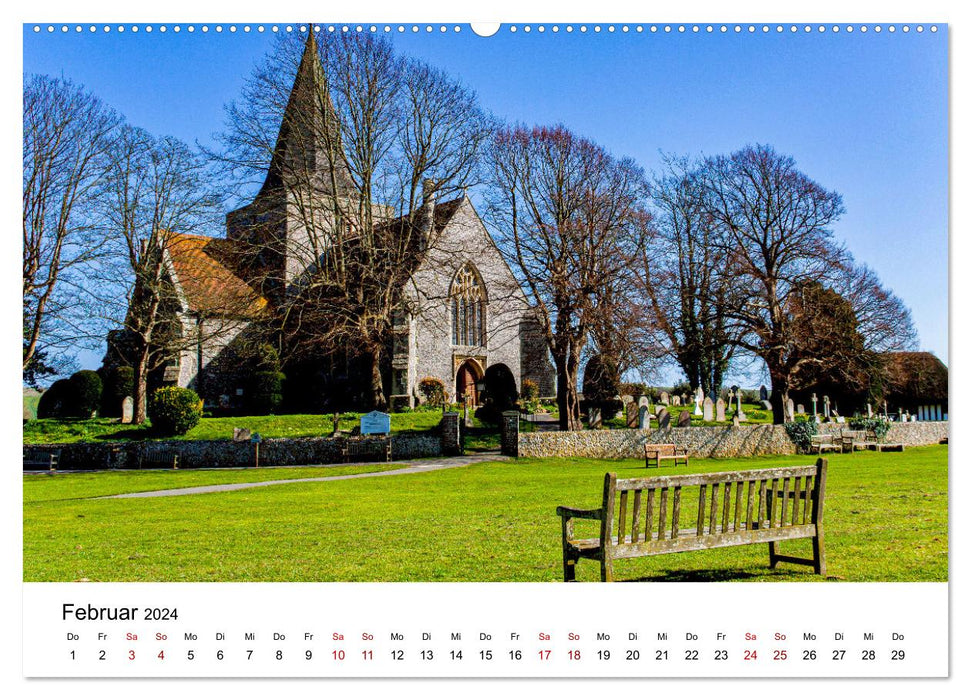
{"x":41,"y":459}
{"x":824,"y":442}
{"x":659,"y":453}
{"x":643,"y":517}
{"x":378,"y":446}
{"x":851,"y":440}
{"x":158,"y":458}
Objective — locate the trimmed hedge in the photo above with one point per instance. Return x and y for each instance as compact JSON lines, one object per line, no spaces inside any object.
{"x":174,"y":410}
{"x":87,"y":393}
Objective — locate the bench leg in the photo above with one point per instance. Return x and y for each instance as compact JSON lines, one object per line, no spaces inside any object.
{"x":569,"y":567}
{"x":606,"y":569}
{"x":819,"y":553}
{"x":772,"y":560}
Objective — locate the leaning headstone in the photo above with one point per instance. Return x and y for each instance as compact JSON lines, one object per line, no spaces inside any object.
{"x":375,"y":423}
{"x":708,"y":414}
{"x":241,"y":435}
{"x":720,"y":410}
{"x":643,"y":418}
{"x":664,"y":419}
{"x":665,"y":399}
{"x":763,"y":393}
{"x":675,"y":400}
{"x":767,"y":405}
{"x":127,"y":409}
{"x":631,"y":415}
{"x":684,"y":419}
{"x":594,"y":417}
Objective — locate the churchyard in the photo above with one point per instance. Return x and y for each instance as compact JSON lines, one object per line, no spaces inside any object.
{"x":886,"y":520}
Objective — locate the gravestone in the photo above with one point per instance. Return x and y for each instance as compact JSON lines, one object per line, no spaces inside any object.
{"x":594,"y":417}
{"x":801,"y":410}
{"x":735,"y":421}
{"x":720,"y":410}
{"x":631,"y":417}
{"x":664,"y":400}
{"x":375,"y":423}
{"x":869,"y":410}
{"x":790,"y":409}
{"x":626,"y":399}
{"x":675,"y":400}
{"x":763,"y":393}
{"x":739,"y":413}
{"x":644,"y":401}
{"x":684,"y":419}
{"x":699,"y":397}
{"x":708,"y":414}
{"x":663,"y":419}
{"x":127,"y":409}
{"x":643,"y":418}
{"x":826,"y":406}
{"x":241,"y":435}
{"x":767,"y":405}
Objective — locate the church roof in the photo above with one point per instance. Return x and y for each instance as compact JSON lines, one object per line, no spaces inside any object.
{"x":916,"y":375}
{"x":208,"y":285}
{"x":444,"y":211}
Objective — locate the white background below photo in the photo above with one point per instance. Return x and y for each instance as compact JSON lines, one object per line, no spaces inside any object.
{"x":891,"y":598}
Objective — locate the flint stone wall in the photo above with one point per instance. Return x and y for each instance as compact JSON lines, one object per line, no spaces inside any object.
{"x":207,"y":454}
{"x":701,"y":441}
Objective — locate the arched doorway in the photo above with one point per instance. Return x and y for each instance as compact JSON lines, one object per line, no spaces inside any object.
{"x":468,"y":376}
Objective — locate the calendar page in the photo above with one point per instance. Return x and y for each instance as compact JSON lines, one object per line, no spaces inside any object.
{"x":390,"y":348}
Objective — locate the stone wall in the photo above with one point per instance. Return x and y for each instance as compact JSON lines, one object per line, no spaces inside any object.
{"x":206,"y":454}
{"x":700,"y":441}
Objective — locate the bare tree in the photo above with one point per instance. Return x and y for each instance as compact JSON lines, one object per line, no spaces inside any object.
{"x":67,"y":135}
{"x":366,"y":142}
{"x":884,"y":320}
{"x":157,"y":193}
{"x":775,"y":225}
{"x":568,"y":216}
{"x":686,"y":278}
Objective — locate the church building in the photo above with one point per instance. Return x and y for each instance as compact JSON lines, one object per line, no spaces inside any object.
{"x":463,"y":318}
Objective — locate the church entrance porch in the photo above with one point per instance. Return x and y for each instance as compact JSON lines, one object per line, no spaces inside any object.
{"x":466,"y":383}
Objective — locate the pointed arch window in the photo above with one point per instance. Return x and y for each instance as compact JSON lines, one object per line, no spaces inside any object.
{"x":468,"y":307}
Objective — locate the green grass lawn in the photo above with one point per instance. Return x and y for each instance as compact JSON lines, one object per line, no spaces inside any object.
{"x":886,"y":520}
{"x":58,"y":430}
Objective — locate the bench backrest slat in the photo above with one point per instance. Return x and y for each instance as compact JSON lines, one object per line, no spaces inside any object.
{"x":777,"y":498}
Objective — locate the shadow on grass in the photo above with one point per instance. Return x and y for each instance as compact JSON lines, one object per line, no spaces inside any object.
{"x":710,"y":575}
{"x":129,"y":434}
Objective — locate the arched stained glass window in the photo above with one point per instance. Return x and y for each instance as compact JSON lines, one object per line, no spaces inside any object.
{"x":468,"y":307}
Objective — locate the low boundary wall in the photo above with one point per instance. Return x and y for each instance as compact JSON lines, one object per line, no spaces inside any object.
{"x":702,"y":441}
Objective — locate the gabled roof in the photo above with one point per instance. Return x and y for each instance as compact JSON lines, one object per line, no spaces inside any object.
{"x":444,"y":212}
{"x":208,"y":285}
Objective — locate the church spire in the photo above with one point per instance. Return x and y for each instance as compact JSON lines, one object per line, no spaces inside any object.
{"x":309,"y":137}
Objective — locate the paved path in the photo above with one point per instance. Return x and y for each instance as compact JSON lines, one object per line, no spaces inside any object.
{"x":417,"y":466}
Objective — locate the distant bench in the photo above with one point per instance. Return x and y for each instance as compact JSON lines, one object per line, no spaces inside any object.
{"x":41,"y":459}
{"x":158,"y":458}
{"x":769,"y":505}
{"x":824,"y":442}
{"x":377,"y":446}
{"x":659,"y":453}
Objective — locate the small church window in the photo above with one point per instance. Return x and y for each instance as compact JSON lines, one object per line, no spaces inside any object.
{"x":468,"y":307}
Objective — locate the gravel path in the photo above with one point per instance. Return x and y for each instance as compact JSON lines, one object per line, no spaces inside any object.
{"x":417,"y":466}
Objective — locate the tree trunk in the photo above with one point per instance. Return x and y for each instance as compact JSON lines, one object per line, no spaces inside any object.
{"x":779,"y":396}
{"x":567,"y":398}
{"x":140,"y":381}
{"x":376,"y":398}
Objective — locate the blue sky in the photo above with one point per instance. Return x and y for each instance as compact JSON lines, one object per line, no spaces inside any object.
{"x":862,"y":113}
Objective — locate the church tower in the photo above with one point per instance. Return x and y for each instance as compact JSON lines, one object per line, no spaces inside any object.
{"x":307,"y":191}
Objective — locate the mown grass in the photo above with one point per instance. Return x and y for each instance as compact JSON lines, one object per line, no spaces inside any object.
{"x":64,"y":486}
{"x":61,"y":430}
{"x":886,"y":520}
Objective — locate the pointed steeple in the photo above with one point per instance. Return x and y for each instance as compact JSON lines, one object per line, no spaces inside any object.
{"x":309,"y":137}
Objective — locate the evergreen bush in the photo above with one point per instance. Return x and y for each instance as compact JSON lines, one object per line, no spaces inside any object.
{"x":174,"y":410}
{"x":802,"y":434}
{"x":118,"y":382}
{"x":87,"y":393}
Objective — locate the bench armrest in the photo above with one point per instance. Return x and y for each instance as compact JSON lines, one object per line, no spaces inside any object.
{"x":565,"y":512}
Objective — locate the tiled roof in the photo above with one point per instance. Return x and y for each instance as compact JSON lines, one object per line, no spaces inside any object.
{"x":208,"y":285}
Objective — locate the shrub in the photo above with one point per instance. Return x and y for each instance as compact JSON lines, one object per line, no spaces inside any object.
{"x":118,"y":382}
{"x":801,"y":434}
{"x":636,"y":389}
{"x":87,"y":393}
{"x":174,"y":410}
{"x":757,"y":415}
{"x":57,"y":401}
{"x":529,"y":397}
{"x":432,"y":391}
{"x":266,"y":392}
